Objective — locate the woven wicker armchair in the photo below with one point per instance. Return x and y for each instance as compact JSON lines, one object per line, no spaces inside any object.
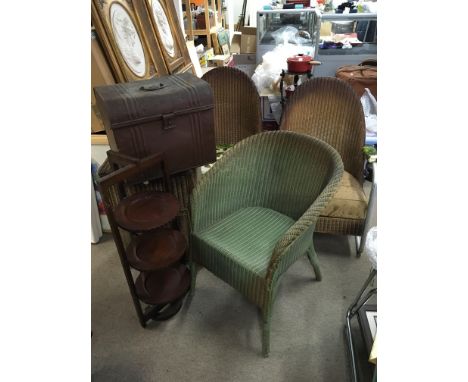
{"x":255,"y":211}
{"x":327,"y":108}
{"x":237,"y":105}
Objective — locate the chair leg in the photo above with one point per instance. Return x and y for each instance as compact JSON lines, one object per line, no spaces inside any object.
{"x":361,"y":240}
{"x":360,"y":245}
{"x":193,"y":277}
{"x":371,"y":210}
{"x":314,"y":262}
{"x":266,"y":320}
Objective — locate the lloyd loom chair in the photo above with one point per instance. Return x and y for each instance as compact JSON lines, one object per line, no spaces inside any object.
{"x":236,"y":105}
{"x":255,"y":211}
{"x":328,"y":108}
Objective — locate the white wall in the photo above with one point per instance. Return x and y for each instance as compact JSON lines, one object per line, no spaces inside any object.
{"x":99,"y":153}
{"x":237,"y":9}
{"x":230,"y":4}
{"x":178,"y":7}
{"x":252,"y":7}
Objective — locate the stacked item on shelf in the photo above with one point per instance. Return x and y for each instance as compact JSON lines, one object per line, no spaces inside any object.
{"x":156,"y":246}
{"x":173,"y":114}
{"x":204,"y":20}
{"x":166,"y":121}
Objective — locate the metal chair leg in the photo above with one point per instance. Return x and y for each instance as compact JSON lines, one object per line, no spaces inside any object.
{"x":371,"y":209}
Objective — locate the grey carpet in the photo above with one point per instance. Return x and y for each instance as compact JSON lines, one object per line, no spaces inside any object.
{"x":216,"y":335}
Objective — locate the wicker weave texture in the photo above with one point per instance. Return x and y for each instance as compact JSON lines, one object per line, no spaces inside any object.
{"x":290,"y":173}
{"x":328,"y":108}
{"x":339,"y":226}
{"x":237,"y":105}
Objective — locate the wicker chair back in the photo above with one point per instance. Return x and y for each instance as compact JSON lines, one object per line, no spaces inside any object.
{"x":237,"y":105}
{"x":328,"y":108}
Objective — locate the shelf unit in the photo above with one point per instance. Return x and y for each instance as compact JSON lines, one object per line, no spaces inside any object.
{"x":365,"y":26}
{"x":209,"y":28}
{"x":156,"y":246}
{"x":358,"y":308}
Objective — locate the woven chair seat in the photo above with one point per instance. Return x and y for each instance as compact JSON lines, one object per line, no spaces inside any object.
{"x":237,"y":237}
{"x":349,"y":202}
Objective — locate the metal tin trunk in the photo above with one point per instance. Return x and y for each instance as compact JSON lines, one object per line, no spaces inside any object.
{"x":172,"y":114}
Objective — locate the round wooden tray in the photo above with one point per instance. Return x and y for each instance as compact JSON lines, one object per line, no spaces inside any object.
{"x":155,"y":250}
{"x":164,"y":285}
{"x":146,"y":211}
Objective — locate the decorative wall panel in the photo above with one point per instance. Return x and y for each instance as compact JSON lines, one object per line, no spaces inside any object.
{"x":167,"y":30}
{"x":123,"y":28}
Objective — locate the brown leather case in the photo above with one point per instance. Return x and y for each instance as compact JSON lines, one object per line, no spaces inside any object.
{"x":360,"y":76}
{"x":171,"y":114}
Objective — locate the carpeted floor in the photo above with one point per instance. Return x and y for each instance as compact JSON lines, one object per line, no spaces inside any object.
{"x":216,"y":335}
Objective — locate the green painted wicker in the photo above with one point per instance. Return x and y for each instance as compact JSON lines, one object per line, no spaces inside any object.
{"x":328,"y":108}
{"x":255,"y":211}
{"x":237,"y":105}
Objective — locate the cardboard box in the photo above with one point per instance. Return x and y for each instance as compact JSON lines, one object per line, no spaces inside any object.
{"x":236,"y":43}
{"x":245,"y":62}
{"x":248,"y":40}
{"x":245,"y":59}
{"x":221,"y":60}
{"x":100,"y":75}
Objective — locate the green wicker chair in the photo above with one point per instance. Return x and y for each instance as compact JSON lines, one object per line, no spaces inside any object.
{"x":328,"y":108}
{"x":237,"y":105}
{"x":255,"y":211}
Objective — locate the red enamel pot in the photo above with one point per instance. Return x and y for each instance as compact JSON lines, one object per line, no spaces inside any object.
{"x":301,"y":63}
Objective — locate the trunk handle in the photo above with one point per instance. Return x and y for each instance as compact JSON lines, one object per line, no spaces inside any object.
{"x":150,"y":88}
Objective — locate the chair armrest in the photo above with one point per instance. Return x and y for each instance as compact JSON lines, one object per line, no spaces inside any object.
{"x":294,"y":243}
{"x":104,"y":169}
{"x":299,"y":237}
{"x":117,"y":159}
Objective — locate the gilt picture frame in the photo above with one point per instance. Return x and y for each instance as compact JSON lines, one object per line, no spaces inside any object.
{"x":123,"y":27}
{"x":170,"y":37}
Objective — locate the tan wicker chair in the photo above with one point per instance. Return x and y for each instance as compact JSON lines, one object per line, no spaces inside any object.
{"x":327,"y":108}
{"x":237,"y":105}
